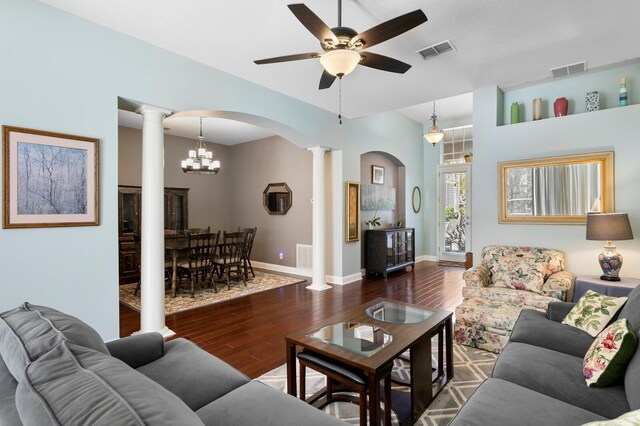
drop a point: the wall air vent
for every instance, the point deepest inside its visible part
(436, 49)
(569, 69)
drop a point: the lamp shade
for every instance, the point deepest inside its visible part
(434, 137)
(608, 227)
(340, 62)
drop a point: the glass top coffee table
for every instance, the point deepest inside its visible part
(370, 336)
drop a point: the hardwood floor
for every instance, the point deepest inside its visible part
(248, 332)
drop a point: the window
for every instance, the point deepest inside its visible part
(457, 142)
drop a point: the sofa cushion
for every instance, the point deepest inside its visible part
(200, 378)
(593, 312)
(498, 402)
(559, 376)
(258, 404)
(521, 273)
(536, 329)
(509, 295)
(8, 412)
(628, 419)
(608, 356)
(29, 331)
(631, 309)
(75, 385)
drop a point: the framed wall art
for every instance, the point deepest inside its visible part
(352, 223)
(49, 179)
(377, 175)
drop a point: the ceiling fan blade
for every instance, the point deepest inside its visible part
(314, 24)
(288, 58)
(384, 63)
(326, 80)
(390, 29)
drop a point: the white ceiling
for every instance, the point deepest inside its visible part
(498, 42)
(453, 110)
(216, 130)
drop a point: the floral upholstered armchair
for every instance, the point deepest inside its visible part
(508, 280)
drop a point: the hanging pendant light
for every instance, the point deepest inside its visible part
(200, 160)
(434, 135)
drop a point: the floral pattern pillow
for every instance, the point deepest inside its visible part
(519, 273)
(593, 312)
(609, 354)
(632, 418)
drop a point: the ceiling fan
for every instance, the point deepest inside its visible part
(344, 47)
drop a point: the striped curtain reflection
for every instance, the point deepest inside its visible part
(566, 190)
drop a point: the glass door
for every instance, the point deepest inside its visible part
(454, 212)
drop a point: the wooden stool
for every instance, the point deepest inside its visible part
(350, 377)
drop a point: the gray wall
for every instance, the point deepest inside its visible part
(233, 197)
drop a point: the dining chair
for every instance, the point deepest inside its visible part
(230, 257)
(206, 230)
(246, 253)
(199, 261)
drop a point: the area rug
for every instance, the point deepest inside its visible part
(471, 368)
(263, 281)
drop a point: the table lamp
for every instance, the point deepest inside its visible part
(608, 227)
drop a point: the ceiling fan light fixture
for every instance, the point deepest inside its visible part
(340, 62)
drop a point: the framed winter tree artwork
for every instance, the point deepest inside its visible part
(49, 179)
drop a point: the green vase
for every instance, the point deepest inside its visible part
(515, 113)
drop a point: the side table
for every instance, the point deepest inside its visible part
(610, 288)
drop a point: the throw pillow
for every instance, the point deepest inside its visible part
(632, 418)
(593, 312)
(609, 354)
(520, 273)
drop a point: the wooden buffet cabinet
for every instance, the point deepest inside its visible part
(389, 250)
(176, 216)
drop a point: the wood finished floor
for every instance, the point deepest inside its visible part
(248, 332)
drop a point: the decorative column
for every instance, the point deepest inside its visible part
(319, 244)
(152, 226)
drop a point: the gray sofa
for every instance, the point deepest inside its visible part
(538, 377)
(55, 369)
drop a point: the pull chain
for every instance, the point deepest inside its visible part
(340, 100)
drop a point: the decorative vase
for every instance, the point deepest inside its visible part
(592, 101)
(560, 107)
(611, 263)
(515, 113)
(623, 92)
(537, 109)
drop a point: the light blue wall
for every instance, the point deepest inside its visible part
(399, 136)
(614, 129)
(64, 74)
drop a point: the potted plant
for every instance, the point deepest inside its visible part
(375, 221)
(468, 157)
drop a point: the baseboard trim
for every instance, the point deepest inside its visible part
(344, 280)
(426, 258)
(281, 268)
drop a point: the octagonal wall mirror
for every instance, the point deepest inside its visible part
(555, 190)
(277, 198)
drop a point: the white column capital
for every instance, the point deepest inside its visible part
(319, 148)
(150, 111)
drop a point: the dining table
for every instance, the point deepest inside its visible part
(174, 247)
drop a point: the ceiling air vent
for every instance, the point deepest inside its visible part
(436, 49)
(569, 69)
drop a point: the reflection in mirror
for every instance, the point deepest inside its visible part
(556, 189)
(277, 198)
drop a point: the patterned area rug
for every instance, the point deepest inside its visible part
(263, 281)
(471, 367)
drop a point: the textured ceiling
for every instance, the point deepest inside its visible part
(498, 42)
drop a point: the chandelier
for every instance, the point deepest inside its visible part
(434, 135)
(200, 160)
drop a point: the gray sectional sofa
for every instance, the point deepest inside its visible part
(538, 377)
(55, 369)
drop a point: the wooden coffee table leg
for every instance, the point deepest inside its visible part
(421, 377)
(374, 400)
(291, 369)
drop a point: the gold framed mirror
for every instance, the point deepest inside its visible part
(555, 190)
